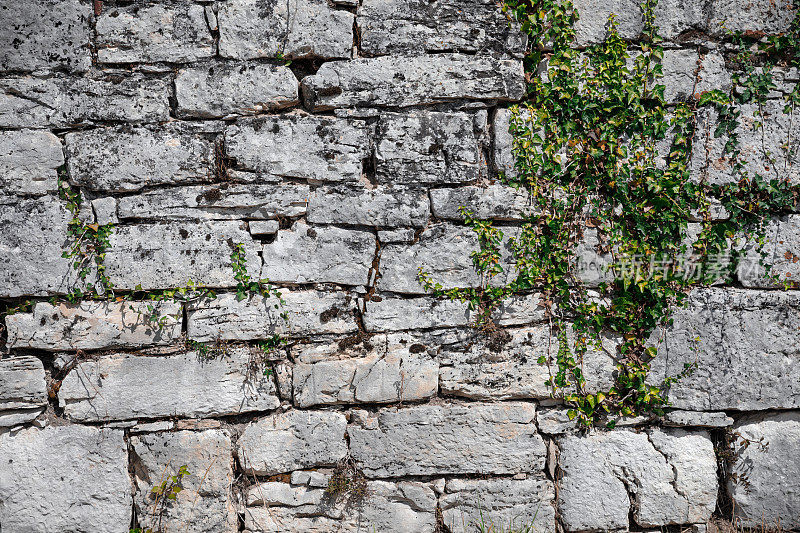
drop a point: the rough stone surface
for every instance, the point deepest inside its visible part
(45, 34)
(697, 419)
(173, 32)
(496, 202)
(300, 147)
(124, 386)
(309, 312)
(452, 439)
(306, 254)
(592, 27)
(28, 162)
(68, 478)
(393, 314)
(142, 158)
(207, 502)
(221, 89)
(292, 441)
(23, 390)
(378, 207)
(502, 505)
(93, 325)
(745, 345)
(275, 29)
(389, 368)
(662, 477)
(780, 256)
(770, 495)
(406, 81)
(758, 16)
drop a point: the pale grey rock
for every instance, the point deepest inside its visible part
(300, 147)
(392, 368)
(92, 325)
(207, 503)
(23, 390)
(405, 81)
(592, 26)
(780, 256)
(28, 162)
(105, 210)
(495, 367)
(396, 314)
(680, 75)
(221, 89)
(676, 17)
(69, 101)
(256, 317)
(770, 495)
(663, 478)
(278, 493)
(312, 478)
(167, 156)
(65, 478)
(745, 344)
(45, 34)
(293, 440)
(499, 504)
(264, 227)
(428, 147)
(217, 202)
(126, 386)
(555, 421)
(158, 256)
(504, 158)
(520, 310)
(306, 254)
(496, 202)
(697, 419)
(383, 207)
(174, 32)
(405, 235)
(448, 439)
(758, 16)
(415, 27)
(277, 29)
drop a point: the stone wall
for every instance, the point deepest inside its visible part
(335, 141)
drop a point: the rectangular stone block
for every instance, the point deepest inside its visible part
(125, 160)
(406, 81)
(45, 35)
(396, 314)
(382, 207)
(416, 27)
(495, 202)
(276, 29)
(429, 148)
(176, 32)
(780, 256)
(300, 147)
(94, 325)
(325, 254)
(28, 162)
(62, 101)
(447, 439)
(23, 390)
(126, 386)
(759, 16)
(309, 312)
(216, 202)
(221, 89)
(167, 255)
(592, 25)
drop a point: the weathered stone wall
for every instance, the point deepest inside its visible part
(340, 175)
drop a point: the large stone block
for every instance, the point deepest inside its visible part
(160, 256)
(94, 325)
(415, 27)
(676, 17)
(659, 478)
(447, 439)
(45, 34)
(309, 313)
(759, 16)
(65, 478)
(125, 386)
(220, 89)
(207, 503)
(23, 390)
(386, 368)
(305, 254)
(745, 344)
(300, 147)
(383, 207)
(406, 81)
(122, 160)
(276, 29)
(175, 32)
(429, 147)
(217, 202)
(397, 314)
(592, 26)
(61, 102)
(499, 505)
(767, 487)
(495, 202)
(28, 162)
(291, 441)
(775, 263)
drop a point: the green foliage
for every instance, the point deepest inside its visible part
(244, 285)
